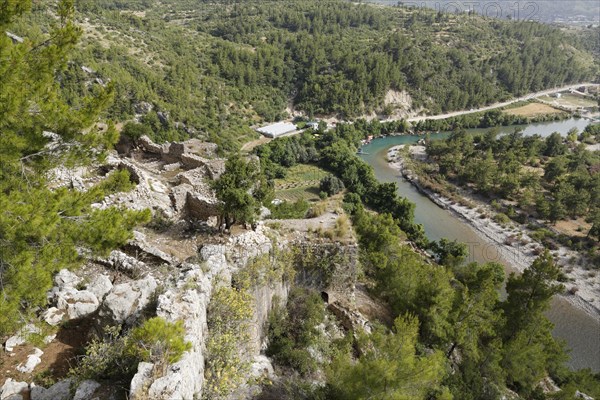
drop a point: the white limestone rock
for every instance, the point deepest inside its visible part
(122, 262)
(100, 286)
(20, 338)
(66, 279)
(77, 303)
(138, 388)
(127, 300)
(32, 361)
(53, 316)
(13, 390)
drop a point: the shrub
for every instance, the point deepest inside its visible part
(317, 210)
(135, 130)
(342, 227)
(158, 341)
(331, 185)
(106, 358)
(293, 330)
(501, 218)
(287, 210)
(116, 356)
(229, 317)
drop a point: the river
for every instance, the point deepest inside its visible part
(580, 330)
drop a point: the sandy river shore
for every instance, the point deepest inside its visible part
(520, 253)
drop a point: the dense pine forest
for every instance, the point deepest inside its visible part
(213, 69)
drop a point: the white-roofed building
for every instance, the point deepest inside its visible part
(278, 129)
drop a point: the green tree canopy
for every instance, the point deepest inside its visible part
(41, 230)
(241, 190)
(389, 368)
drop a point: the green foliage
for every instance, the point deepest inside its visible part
(508, 167)
(135, 131)
(115, 182)
(530, 350)
(529, 293)
(41, 229)
(331, 185)
(116, 355)
(241, 190)
(583, 381)
(491, 343)
(288, 210)
(336, 152)
(316, 266)
(403, 278)
(449, 253)
(390, 367)
(268, 269)
(211, 69)
(229, 317)
(294, 334)
(158, 341)
(106, 358)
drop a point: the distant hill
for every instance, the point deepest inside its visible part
(212, 69)
(572, 12)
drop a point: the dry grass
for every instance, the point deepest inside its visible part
(576, 227)
(317, 210)
(533, 110)
(569, 100)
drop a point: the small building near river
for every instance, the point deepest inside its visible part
(278, 129)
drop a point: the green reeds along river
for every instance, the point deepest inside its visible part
(580, 330)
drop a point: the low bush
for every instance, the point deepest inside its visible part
(117, 355)
(317, 210)
(288, 210)
(293, 331)
(501, 218)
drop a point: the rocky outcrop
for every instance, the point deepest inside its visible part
(21, 337)
(172, 179)
(100, 286)
(150, 147)
(188, 301)
(13, 390)
(86, 390)
(58, 391)
(120, 261)
(71, 303)
(141, 243)
(76, 303)
(126, 301)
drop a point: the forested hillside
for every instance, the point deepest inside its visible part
(212, 69)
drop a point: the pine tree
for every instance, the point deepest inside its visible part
(40, 229)
(388, 367)
(529, 348)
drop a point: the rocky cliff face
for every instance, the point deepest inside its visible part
(171, 271)
(188, 301)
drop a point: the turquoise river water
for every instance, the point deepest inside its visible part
(580, 330)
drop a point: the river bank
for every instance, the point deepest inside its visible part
(511, 241)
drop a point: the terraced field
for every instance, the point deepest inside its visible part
(301, 182)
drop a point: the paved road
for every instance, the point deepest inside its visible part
(503, 104)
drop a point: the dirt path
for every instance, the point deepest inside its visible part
(502, 104)
(248, 147)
